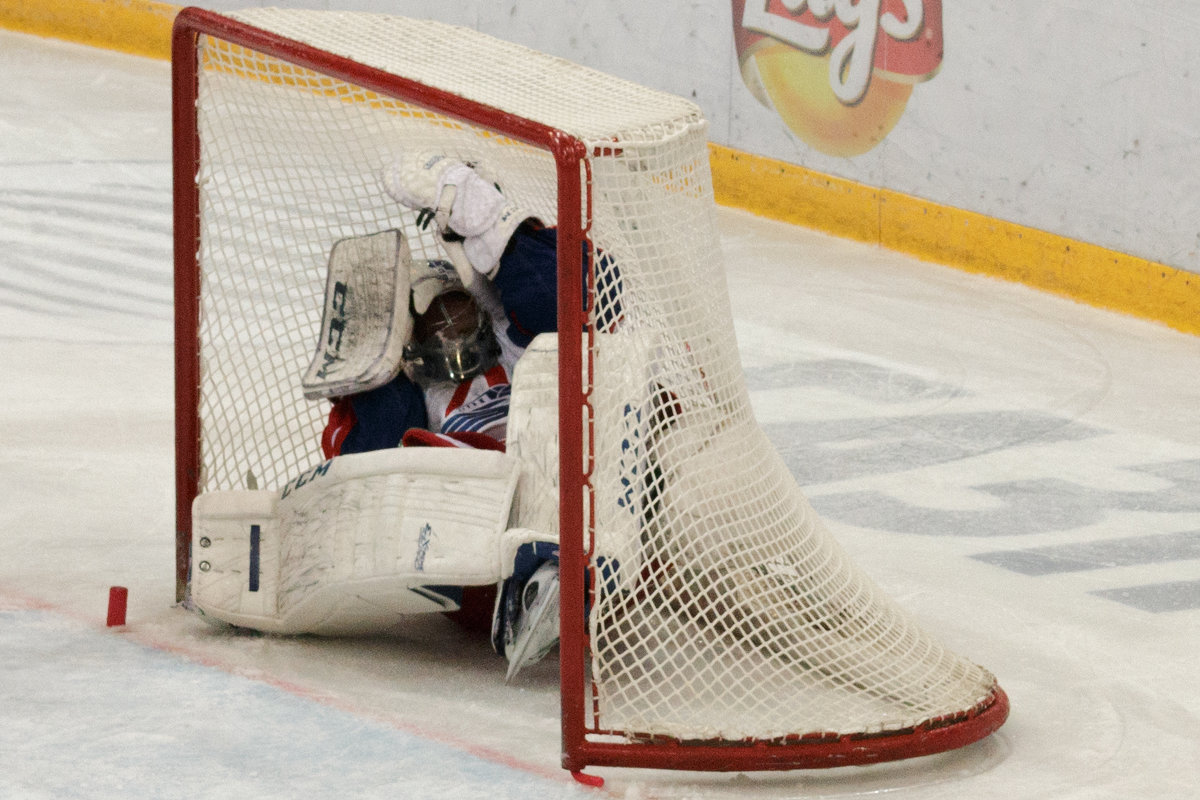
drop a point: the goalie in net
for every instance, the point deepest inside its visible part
(413, 354)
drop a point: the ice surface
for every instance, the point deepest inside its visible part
(1020, 471)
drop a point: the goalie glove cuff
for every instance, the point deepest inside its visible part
(485, 249)
(477, 204)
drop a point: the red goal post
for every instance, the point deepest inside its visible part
(709, 619)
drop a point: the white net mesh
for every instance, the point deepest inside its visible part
(721, 608)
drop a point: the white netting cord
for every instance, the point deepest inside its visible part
(723, 608)
(500, 74)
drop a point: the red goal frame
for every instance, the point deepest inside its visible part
(581, 745)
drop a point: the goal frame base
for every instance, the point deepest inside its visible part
(805, 753)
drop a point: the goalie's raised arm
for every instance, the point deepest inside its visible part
(488, 235)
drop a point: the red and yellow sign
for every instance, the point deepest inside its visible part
(838, 72)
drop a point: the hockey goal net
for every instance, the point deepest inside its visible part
(709, 620)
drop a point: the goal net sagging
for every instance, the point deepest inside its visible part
(710, 621)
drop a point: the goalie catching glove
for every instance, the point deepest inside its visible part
(473, 217)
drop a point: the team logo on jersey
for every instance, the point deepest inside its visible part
(486, 410)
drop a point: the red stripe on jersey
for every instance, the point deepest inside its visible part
(496, 375)
(341, 422)
(417, 437)
(460, 396)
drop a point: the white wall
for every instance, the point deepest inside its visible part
(1082, 119)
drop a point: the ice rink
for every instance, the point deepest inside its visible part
(1020, 471)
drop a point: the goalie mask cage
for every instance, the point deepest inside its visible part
(709, 620)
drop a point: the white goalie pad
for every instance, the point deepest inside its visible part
(622, 419)
(366, 322)
(356, 543)
(532, 436)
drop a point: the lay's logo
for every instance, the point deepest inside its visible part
(839, 73)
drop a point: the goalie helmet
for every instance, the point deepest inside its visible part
(452, 337)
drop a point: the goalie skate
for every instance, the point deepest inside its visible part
(527, 618)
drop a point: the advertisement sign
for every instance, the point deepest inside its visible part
(839, 73)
